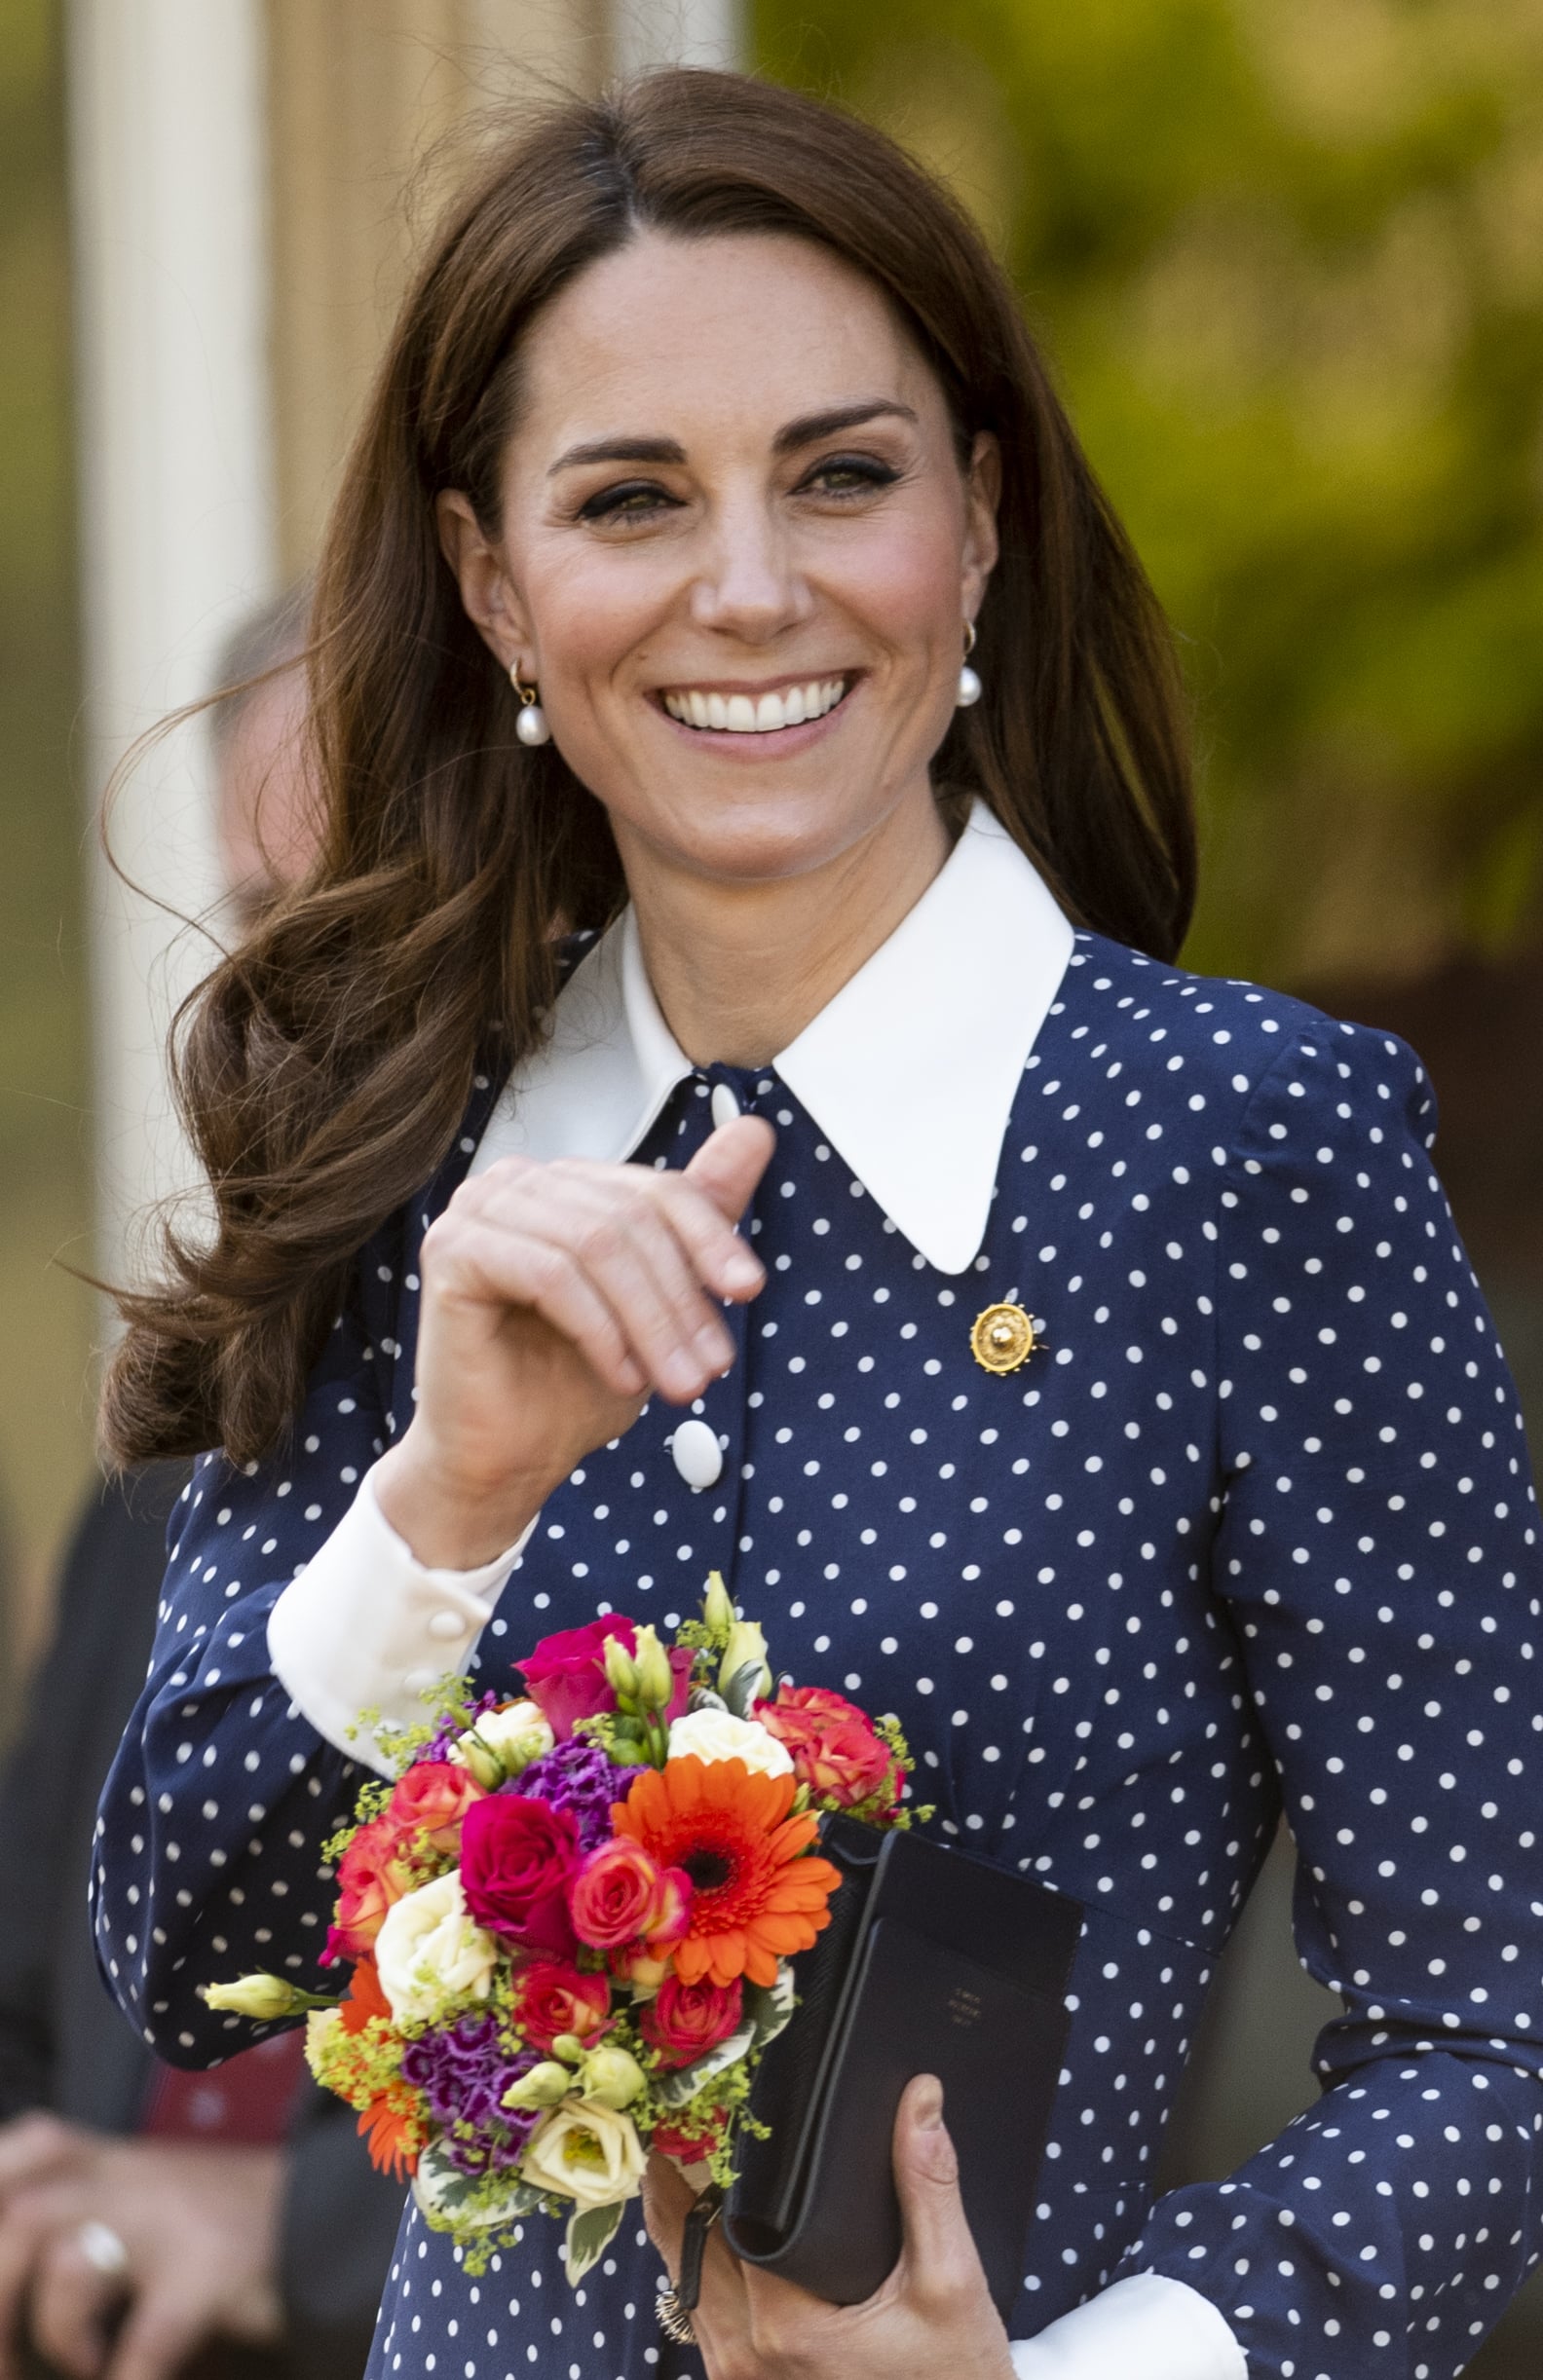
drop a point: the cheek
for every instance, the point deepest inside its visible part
(902, 583)
(591, 613)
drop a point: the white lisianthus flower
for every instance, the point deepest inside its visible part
(429, 1951)
(715, 1735)
(504, 1743)
(586, 2152)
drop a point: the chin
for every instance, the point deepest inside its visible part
(735, 836)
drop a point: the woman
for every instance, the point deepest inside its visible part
(708, 445)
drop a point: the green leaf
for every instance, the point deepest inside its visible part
(743, 1688)
(591, 2232)
(453, 2201)
(769, 2007)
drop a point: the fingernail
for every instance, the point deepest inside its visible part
(929, 2103)
(741, 1267)
(715, 1348)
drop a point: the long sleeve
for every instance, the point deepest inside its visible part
(208, 1838)
(1376, 1548)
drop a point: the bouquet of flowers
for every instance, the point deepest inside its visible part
(570, 1917)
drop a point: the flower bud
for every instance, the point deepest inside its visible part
(655, 1679)
(567, 2046)
(746, 1650)
(612, 2075)
(502, 1742)
(264, 1996)
(543, 2087)
(717, 1610)
(621, 1671)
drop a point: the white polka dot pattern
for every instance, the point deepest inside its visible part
(1254, 1521)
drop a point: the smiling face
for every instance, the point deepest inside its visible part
(736, 552)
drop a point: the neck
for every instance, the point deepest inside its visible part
(739, 969)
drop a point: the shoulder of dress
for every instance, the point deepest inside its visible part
(1124, 991)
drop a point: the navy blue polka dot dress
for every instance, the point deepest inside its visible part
(1252, 1526)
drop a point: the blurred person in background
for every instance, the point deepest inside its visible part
(151, 2222)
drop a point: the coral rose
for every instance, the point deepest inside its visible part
(373, 1874)
(551, 1998)
(431, 1798)
(688, 2020)
(518, 1859)
(621, 1895)
(835, 1750)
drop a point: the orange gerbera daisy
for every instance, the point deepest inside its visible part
(394, 2131)
(757, 1894)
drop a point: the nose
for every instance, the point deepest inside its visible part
(750, 585)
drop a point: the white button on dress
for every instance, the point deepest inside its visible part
(725, 1107)
(446, 1625)
(698, 1457)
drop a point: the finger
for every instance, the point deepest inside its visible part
(30, 2221)
(667, 2200)
(731, 1161)
(159, 2333)
(939, 2250)
(70, 2304)
(635, 1262)
(725, 1263)
(486, 1261)
(35, 2146)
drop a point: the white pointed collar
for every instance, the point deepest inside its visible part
(910, 1072)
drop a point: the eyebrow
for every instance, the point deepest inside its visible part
(807, 430)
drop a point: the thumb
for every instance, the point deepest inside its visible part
(940, 2248)
(731, 1161)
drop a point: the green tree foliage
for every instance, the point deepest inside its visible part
(1288, 258)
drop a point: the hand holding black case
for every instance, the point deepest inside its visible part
(933, 1963)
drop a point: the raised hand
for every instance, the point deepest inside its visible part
(556, 1299)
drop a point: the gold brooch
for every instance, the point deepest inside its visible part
(1003, 1338)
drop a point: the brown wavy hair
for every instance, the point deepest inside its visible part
(323, 1065)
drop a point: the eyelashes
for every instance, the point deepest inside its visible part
(841, 477)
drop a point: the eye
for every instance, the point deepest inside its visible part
(632, 499)
(850, 475)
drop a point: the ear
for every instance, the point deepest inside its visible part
(982, 498)
(481, 572)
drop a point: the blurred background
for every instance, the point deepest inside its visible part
(1287, 256)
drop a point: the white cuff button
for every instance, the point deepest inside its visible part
(419, 1681)
(448, 1624)
(725, 1106)
(698, 1457)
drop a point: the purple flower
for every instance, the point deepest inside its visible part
(462, 2072)
(454, 1728)
(579, 1779)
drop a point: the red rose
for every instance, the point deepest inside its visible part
(690, 2147)
(567, 1679)
(553, 1997)
(431, 1798)
(686, 2020)
(373, 1874)
(517, 1857)
(621, 1895)
(834, 1748)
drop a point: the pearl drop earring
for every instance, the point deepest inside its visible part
(969, 685)
(530, 726)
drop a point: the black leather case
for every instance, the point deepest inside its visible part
(933, 1963)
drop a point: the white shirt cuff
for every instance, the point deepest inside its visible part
(1149, 2325)
(366, 1627)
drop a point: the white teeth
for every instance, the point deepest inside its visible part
(742, 714)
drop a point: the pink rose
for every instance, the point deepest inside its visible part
(834, 1748)
(518, 1859)
(621, 1895)
(567, 1679)
(686, 2020)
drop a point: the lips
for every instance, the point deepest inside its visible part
(788, 706)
